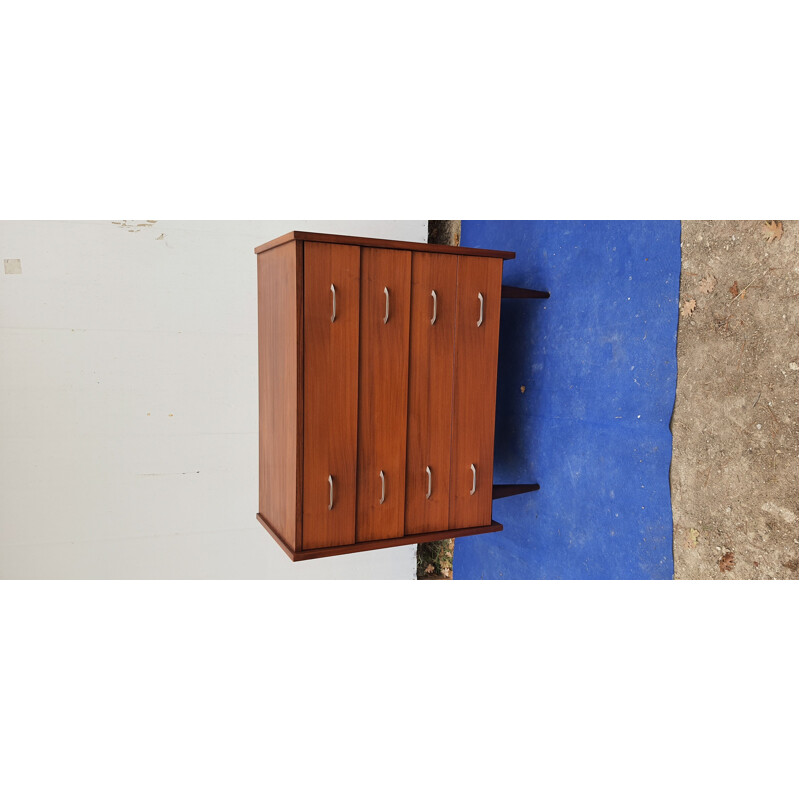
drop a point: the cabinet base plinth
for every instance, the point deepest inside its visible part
(378, 544)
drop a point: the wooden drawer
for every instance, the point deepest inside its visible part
(475, 380)
(376, 392)
(383, 389)
(430, 392)
(330, 378)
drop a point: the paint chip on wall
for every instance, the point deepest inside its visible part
(13, 266)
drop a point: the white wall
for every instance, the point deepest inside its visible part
(129, 403)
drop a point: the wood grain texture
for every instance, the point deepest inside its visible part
(430, 392)
(517, 293)
(278, 352)
(376, 544)
(330, 393)
(382, 392)
(474, 390)
(356, 396)
(390, 244)
(300, 305)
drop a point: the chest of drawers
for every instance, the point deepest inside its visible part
(377, 379)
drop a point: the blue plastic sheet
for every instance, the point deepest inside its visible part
(585, 392)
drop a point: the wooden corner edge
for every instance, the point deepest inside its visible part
(285, 547)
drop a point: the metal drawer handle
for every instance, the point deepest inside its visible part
(333, 292)
(330, 484)
(480, 318)
(433, 318)
(383, 488)
(386, 317)
(474, 478)
(428, 470)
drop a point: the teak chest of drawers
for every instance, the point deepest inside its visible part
(377, 378)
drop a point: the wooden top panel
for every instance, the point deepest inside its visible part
(332, 238)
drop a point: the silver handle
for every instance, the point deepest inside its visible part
(330, 484)
(433, 318)
(333, 292)
(383, 488)
(428, 470)
(386, 317)
(480, 318)
(474, 478)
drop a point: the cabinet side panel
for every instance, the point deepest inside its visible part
(278, 390)
(430, 392)
(330, 395)
(383, 392)
(475, 390)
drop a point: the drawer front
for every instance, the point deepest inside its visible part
(474, 390)
(330, 402)
(430, 392)
(383, 392)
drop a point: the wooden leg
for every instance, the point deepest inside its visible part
(514, 292)
(500, 490)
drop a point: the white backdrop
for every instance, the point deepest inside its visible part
(129, 402)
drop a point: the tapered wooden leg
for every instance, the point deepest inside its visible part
(514, 292)
(500, 490)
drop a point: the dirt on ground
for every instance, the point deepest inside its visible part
(734, 473)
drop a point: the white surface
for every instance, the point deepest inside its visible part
(129, 403)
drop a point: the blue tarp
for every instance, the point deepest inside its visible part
(585, 392)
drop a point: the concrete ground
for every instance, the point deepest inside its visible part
(734, 472)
